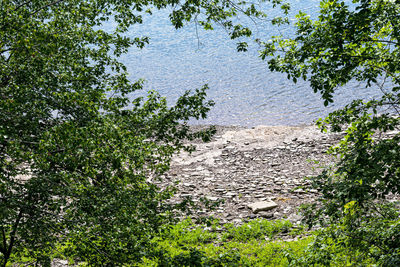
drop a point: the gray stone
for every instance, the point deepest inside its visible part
(220, 190)
(59, 263)
(263, 170)
(212, 198)
(299, 191)
(252, 216)
(294, 217)
(262, 206)
(266, 215)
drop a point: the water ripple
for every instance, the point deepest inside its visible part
(245, 91)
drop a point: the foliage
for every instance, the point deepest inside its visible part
(255, 229)
(356, 240)
(358, 41)
(77, 154)
(184, 244)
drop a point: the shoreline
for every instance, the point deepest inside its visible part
(241, 166)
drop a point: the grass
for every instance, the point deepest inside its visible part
(255, 243)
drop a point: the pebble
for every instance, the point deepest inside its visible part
(247, 172)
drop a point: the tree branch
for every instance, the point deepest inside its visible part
(46, 6)
(12, 238)
(21, 5)
(4, 239)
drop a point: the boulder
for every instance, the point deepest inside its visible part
(262, 206)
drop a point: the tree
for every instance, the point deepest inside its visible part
(360, 41)
(76, 153)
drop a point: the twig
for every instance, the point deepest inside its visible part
(48, 5)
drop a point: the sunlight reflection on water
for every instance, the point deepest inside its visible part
(245, 92)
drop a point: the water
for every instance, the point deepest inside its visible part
(245, 92)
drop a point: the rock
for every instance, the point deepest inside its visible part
(59, 263)
(212, 198)
(231, 194)
(252, 216)
(266, 215)
(299, 191)
(262, 206)
(294, 217)
(237, 221)
(287, 209)
(270, 167)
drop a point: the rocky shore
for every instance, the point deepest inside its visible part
(255, 173)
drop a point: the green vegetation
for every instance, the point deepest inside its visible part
(77, 155)
(360, 42)
(75, 152)
(189, 244)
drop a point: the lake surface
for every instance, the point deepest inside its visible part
(245, 92)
